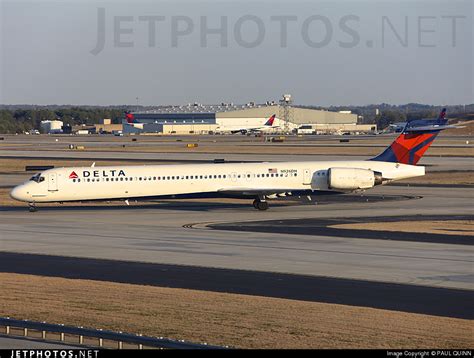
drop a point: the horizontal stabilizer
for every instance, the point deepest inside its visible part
(414, 141)
(429, 128)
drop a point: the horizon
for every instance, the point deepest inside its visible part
(240, 104)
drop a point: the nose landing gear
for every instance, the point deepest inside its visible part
(32, 207)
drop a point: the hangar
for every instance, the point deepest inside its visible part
(200, 119)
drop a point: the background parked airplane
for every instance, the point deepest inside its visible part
(132, 121)
(269, 125)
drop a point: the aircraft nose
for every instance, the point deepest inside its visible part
(19, 193)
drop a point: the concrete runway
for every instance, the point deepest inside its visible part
(162, 233)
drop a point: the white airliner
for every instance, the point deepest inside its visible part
(259, 181)
(269, 125)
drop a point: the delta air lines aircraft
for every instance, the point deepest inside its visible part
(269, 125)
(257, 181)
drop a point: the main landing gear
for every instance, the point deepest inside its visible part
(32, 207)
(260, 204)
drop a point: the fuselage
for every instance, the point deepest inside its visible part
(234, 130)
(122, 182)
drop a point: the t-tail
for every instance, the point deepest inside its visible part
(130, 118)
(414, 141)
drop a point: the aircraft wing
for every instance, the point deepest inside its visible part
(254, 191)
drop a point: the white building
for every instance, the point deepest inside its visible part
(51, 127)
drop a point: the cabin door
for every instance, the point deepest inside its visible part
(306, 176)
(52, 182)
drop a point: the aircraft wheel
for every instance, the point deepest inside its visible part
(32, 208)
(255, 203)
(262, 205)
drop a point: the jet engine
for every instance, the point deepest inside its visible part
(353, 178)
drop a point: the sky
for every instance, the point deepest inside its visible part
(177, 52)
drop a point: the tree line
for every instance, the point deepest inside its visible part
(21, 120)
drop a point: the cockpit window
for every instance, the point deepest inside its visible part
(37, 178)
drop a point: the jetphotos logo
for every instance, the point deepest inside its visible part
(98, 173)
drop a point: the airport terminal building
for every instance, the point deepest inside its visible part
(203, 119)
